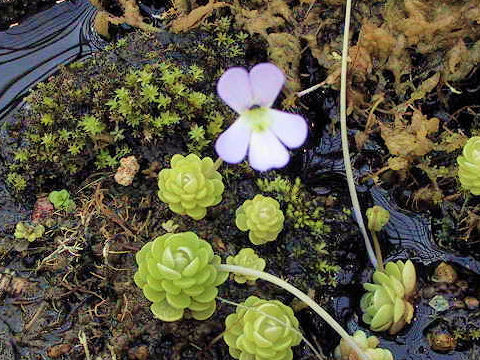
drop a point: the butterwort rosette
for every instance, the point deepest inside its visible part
(176, 273)
(190, 185)
(469, 165)
(369, 345)
(387, 304)
(262, 330)
(262, 217)
(247, 258)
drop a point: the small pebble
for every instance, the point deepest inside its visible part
(471, 302)
(445, 273)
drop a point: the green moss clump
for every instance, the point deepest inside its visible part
(96, 112)
(262, 217)
(177, 272)
(190, 185)
(303, 212)
(262, 330)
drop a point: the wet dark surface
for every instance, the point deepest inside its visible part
(32, 51)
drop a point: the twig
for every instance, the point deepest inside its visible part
(83, 341)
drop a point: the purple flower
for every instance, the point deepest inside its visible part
(264, 132)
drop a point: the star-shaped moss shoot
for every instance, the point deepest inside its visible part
(469, 165)
(369, 344)
(386, 306)
(262, 330)
(176, 273)
(262, 217)
(190, 185)
(248, 259)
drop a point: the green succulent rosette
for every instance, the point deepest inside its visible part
(377, 218)
(368, 344)
(249, 259)
(177, 272)
(262, 217)
(469, 165)
(190, 185)
(386, 306)
(262, 330)
(61, 200)
(29, 232)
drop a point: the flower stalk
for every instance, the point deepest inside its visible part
(343, 131)
(300, 295)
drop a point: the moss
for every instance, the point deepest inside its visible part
(302, 212)
(134, 95)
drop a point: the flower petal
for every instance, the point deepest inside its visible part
(291, 129)
(232, 144)
(266, 151)
(234, 88)
(266, 81)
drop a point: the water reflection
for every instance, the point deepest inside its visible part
(32, 51)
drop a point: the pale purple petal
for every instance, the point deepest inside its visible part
(267, 81)
(234, 88)
(266, 151)
(290, 128)
(232, 144)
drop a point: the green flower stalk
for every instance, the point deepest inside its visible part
(178, 272)
(61, 200)
(29, 232)
(386, 306)
(377, 218)
(262, 330)
(262, 216)
(345, 352)
(469, 165)
(190, 185)
(249, 259)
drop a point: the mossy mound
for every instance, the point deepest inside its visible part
(140, 93)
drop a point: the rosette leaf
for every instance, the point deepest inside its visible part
(190, 185)
(386, 306)
(469, 165)
(177, 272)
(369, 344)
(262, 217)
(248, 259)
(30, 232)
(262, 330)
(61, 200)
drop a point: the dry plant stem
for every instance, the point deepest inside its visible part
(378, 251)
(343, 130)
(300, 295)
(310, 89)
